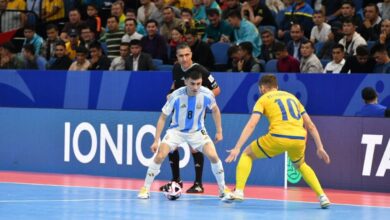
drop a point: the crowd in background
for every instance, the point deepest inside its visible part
(312, 36)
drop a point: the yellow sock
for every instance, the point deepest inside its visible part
(311, 179)
(243, 170)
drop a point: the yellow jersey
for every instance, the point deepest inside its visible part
(284, 112)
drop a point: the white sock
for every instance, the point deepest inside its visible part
(153, 171)
(219, 174)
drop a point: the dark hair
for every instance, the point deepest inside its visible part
(93, 6)
(348, 2)
(29, 27)
(235, 14)
(338, 46)
(191, 31)
(51, 26)
(131, 10)
(298, 25)
(29, 48)
(380, 48)
(212, 12)
(81, 49)
(135, 42)
(279, 47)
(232, 50)
(349, 20)
(96, 45)
(193, 73)
(246, 46)
(9, 46)
(318, 12)
(308, 42)
(268, 80)
(132, 19)
(151, 21)
(182, 46)
(170, 8)
(186, 10)
(113, 16)
(369, 94)
(60, 43)
(75, 9)
(362, 50)
(373, 5)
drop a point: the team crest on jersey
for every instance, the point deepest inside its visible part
(199, 106)
(183, 106)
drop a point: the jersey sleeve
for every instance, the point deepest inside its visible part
(259, 106)
(169, 105)
(211, 101)
(301, 108)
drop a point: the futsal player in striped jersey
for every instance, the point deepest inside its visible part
(189, 104)
(287, 133)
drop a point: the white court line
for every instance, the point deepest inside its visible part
(89, 200)
(195, 195)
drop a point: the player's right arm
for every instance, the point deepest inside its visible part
(245, 134)
(310, 126)
(160, 126)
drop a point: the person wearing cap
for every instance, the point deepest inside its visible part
(73, 43)
(371, 107)
(8, 58)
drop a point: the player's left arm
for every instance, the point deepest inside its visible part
(310, 126)
(218, 123)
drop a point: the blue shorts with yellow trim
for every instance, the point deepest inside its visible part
(271, 145)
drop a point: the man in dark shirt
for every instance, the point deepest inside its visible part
(201, 51)
(98, 60)
(371, 107)
(359, 63)
(184, 65)
(154, 44)
(62, 61)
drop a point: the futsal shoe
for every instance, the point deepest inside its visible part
(143, 193)
(196, 188)
(324, 201)
(166, 187)
(224, 191)
(236, 196)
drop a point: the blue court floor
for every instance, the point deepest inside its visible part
(28, 201)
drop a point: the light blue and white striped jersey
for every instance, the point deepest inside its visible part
(188, 115)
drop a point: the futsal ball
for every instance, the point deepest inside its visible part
(174, 191)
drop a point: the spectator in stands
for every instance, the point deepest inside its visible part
(231, 5)
(8, 57)
(201, 51)
(333, 38)
(147, 11)
(87, 36)
(19, 5)
(188, 22)
(32, 61)
(384, 37)
(320, 32)
(117, 10)
(93, 19)
(75, 22)
(235, 56)
(348, 11)
(198, 13)
(138, 60)
(268, 47)
(51, 42)
(154, 44)
(245, 31)
(309, 61)
(257, 13)
(131, 31)
(359, 63)
(218, 29)
(246, 62)
(384, 9)
(177, 38)
(351, 39)
(52, 10)
(169, 22)
(33, 38)
(370, 29)
(81, 63)
(98, 60)
(371, 107)
(9, 20)
(61, 60)
(113, 37)
(179, 3)
(131, 13)
(382, 59)
(338, 60)
(286, 63)
(119, 62)
(299, 12)
(275, 5)
(207, 5)
(72, 44)
(297, 37)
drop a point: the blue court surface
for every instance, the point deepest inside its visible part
(33, 201)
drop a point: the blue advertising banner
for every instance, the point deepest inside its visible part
(360, 153)
(111, 143)
(322, 94)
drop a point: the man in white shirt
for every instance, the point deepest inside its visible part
(320, 32)
(131, 31)
(118, 63)
(338, 61)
